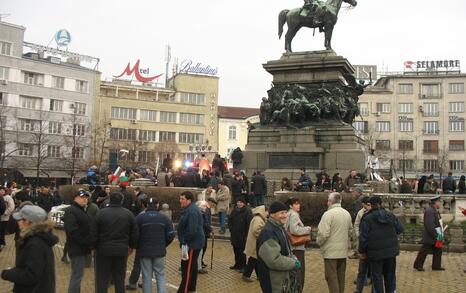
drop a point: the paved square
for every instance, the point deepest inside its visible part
(222, 279)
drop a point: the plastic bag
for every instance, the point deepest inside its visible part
(184, 252)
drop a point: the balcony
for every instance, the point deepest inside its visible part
(431, 132)
(427, 97)
(431, 114)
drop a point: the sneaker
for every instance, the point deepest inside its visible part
(247, 279)
(131, 287)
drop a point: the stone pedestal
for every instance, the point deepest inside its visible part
(324, 144)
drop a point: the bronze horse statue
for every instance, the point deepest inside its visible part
(321, 15)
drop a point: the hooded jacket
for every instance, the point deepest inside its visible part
(255, 228)
(34, 271)
(378, 236)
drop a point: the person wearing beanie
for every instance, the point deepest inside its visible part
(275, 261)
(238, 224)
(379, 245)
(35, 263)
(334, 233)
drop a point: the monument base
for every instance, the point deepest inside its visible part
(281, 152)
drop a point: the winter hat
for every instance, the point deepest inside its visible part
(30, 213)
(240, 198)
(277, 206)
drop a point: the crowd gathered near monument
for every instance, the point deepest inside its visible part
(266, 237)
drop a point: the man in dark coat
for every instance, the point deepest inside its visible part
(449, 184)
(35, 263)
(128, 201)
(304, 182)
(191, 234)
(78, 242)
(140, 198)
(237, 157)
(259, 188)
(378, 242)
(238, 187)
(114, 234)
(238, 224)
(432, 221)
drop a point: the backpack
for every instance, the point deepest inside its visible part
(2, 205)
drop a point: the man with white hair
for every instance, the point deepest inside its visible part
(333, 237)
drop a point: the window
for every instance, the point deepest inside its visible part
(431, 146)
(405, 88)
(192, 98)
(383, 108)
(168, 117)
(122, 134)
(146, 156)
(58, 82)
(382, 145)
(77, 153)
(4, 73)
(196, 138)
(456, 145)
(54, 127)
(457, 165)
(33, 78)
(431, 127)
(406, 108)
(232, 132)
(5, 48)
(167, 136)
(146, 115)
(124, 113)
(456, 107)
(188, 118)
(30, 102)
(430, 91)
(3, 99)
(28, 125)
(189, 157)
(406, 164)
(56, 105)
(430, 110)
(78, 130)
(79, 108)
(363, 109)
(456, 125)
(382, 126)
(361, 126)
(406, 126)
(147, 135)
(81, 86)
(25, 149)
(430, 165)
(405, 145)
(53, 151)
(456, 88)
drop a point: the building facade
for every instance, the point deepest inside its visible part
(233, 128)
(138, 125)
(46, 108)
(415, 122)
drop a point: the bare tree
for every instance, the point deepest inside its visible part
(442, 163)
(8, 136)
(101, 134)
(75, 142)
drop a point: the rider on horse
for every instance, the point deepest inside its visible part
(314, 9)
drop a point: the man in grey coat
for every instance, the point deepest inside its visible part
(432, 220)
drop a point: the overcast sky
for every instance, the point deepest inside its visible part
(238, 36)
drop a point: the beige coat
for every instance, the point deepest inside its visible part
(223, 199)
(335, 231)
(255, 228)
(10, 207)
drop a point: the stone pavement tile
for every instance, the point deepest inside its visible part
(222, 279)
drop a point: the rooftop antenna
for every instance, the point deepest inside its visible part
(168, 57)
(4, 15)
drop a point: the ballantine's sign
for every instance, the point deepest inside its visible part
(432, 65)
(188, 67)
(137, 73)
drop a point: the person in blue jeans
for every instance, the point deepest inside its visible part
(223, 203)
(156, 233)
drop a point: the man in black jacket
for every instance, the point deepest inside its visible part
(128, 202)
(432, 220)
(238, 224)
(78, 242)
(114, 234)
(259, 188)
(378, 242)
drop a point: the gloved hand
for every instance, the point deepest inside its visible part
(297, 265)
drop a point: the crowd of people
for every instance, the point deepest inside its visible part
(107, 227)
